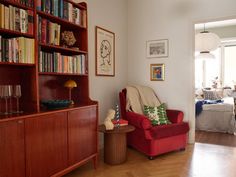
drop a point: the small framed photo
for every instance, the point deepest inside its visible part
(105, 52)
(157, 48)
(157, 72)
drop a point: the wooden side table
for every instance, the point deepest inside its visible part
(115, 145)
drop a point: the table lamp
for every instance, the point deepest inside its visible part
(70, 84)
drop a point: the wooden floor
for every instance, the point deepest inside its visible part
(208, 157)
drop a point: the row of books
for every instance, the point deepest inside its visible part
(63, 9)
(55, 62)
(17, 19)
(28, 3)
(48, 32)
(17, 50)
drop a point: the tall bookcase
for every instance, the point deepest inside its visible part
(34, 56)
(37, 84)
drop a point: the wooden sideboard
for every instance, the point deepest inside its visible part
(49, 143)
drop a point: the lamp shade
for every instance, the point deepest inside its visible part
(205, 55)
(206, 41)
(70, 84)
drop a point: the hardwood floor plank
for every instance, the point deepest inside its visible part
(210, 158)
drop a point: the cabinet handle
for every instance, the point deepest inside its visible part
(20, 121)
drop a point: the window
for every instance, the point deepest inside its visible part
(223, 67)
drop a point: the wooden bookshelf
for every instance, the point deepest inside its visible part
(11, 33)
(60, 21)
(74, 142)
(16, 4)
(61, 49)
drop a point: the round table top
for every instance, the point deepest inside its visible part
(121, 129)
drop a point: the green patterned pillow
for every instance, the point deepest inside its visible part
(157, 115)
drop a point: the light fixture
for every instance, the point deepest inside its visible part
(205, 42)
(70, 84)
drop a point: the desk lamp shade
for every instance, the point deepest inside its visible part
(70, 84)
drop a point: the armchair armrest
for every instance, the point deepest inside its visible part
(138, 120)
(175, 116)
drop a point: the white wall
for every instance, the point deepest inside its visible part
(173, 20)
(111, 15)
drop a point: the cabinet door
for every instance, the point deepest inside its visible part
(82, 134)
(12, 151)
(46, 144)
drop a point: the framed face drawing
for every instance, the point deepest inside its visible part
(105, 52)
(157, 48)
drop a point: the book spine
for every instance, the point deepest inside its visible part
(38, 5)
(65, 10)
(48, 6)
(43, 27)
(30, 22)
(6, 18)
(17, 19)
(2, 16)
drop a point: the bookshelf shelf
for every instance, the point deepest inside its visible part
(61, 49)
(7, 2)
(59, 20)
(7, 32)
(16, 64)
(61, 74)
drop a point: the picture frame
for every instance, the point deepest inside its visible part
(157, 48)
(157, 72)
(105, 52)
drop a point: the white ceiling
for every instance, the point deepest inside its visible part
(216, 24)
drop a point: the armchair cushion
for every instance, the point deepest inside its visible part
(157, 114)
(138, 120)
(162, 131)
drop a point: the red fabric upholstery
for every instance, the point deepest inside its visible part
(173, 129)
(155, 140)
(138, 120)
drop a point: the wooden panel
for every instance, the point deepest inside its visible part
(82, 134)
(12, 159)
(46, 144)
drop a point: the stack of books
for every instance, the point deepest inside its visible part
(55, 62)
(17, 50)
(63, 9)
(122, 122)
(13, 18)
(48, 32)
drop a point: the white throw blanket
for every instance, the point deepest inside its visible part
(138, 96)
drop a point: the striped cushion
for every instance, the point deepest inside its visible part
(157, 115)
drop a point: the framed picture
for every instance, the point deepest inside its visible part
(157, 48)
(157, 72)
(105, 52)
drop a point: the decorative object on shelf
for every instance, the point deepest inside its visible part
(6, 94)
(105, 52)
(157, 72)
(70, 84)
(205, 42)
(108, 120)
(157, 48)
(55, 104)
(17, 95)
(68, 38)
(117, 116)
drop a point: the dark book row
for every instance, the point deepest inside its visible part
(63, 9)
(16, 19)
(17, 50)
(27, 3)
(55, 62)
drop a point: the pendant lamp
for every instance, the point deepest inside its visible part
(205, 42)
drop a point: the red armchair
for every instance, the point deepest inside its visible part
(155, 140)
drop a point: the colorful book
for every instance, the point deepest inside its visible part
(122, 122)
